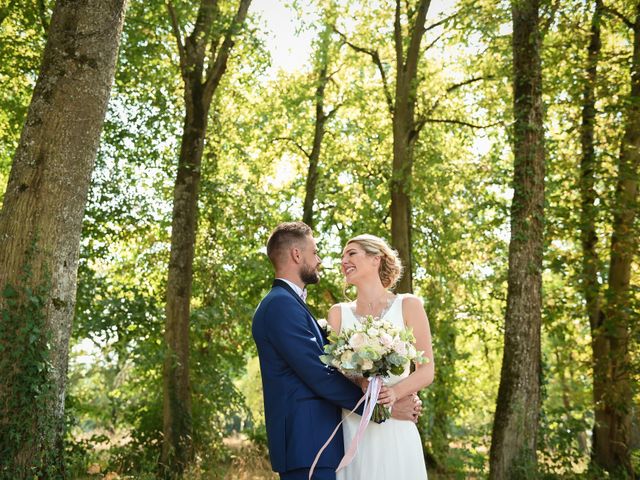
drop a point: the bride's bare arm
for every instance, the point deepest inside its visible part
(334, 318)
(416, 319)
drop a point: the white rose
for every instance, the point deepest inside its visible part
(386, 340)
(367, 365)
(357, 340)
(372, 332)
(400, 347)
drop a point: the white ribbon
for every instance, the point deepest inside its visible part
(370, 399)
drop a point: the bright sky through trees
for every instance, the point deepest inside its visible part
(289, 41)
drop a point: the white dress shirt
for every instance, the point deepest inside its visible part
(302, 293)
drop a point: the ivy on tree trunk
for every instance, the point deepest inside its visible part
(514, 437)
(40, 228)
(613, 395)
(201, 72)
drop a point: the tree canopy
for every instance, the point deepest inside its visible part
(256, 153)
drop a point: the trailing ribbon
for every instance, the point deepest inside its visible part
(370, 398)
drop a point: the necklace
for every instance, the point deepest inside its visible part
(385, 303)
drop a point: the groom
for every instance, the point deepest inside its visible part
(303, 397)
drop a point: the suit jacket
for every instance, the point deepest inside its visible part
(303, 397)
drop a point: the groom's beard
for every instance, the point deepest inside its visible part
(309, 274)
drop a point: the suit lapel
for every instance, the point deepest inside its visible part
(287, 287)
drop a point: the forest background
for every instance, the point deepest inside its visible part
(311, 132)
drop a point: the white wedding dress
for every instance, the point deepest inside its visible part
(391, 450)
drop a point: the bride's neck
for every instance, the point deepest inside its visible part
(371, 292)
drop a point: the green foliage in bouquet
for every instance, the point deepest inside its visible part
(373, 347)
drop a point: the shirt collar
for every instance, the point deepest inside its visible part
(302, 293)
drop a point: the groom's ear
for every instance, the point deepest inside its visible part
(296, 254)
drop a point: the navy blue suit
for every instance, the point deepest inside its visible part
(302, 396)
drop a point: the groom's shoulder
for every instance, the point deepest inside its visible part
(277, 297)
(276, 294)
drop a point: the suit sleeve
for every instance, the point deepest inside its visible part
(290, 335)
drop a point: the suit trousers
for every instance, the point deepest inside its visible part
(303, 474)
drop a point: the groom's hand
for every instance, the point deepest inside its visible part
(407, 408)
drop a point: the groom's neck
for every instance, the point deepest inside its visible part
(291, 276)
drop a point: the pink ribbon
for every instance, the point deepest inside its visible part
(370, 398)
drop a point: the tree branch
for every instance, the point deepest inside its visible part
(440, 22)
(42, 11)
(455, 86)
(200, 34)
(376, 60)
(214, 46)
(421, 123)
(300, 147)
(217, 68)
(434, 42)
(175, 25)
(5, 11)
(397, 39)
(417, 32)
(618, 14)
(333, 111)
(552, 14)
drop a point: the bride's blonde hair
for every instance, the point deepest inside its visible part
(390, 269)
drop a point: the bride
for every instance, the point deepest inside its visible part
(391, 450)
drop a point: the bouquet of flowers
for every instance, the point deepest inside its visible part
(372, 348)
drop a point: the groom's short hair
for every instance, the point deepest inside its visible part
(283, 236)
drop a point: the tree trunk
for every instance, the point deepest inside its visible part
(614, 403)
(40, 228)
(201, 82)
(588, 214)
(177, 450)
(513, 446)
(400, 191)
(319, 130)
(405, 135)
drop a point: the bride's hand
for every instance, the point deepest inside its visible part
(387, 396)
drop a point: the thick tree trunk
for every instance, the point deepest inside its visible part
(40, 228)
(588, 214)
(201, 81)
(405, 135)
(614, 403)
(177, 448)
(513, 446)
(400, 190)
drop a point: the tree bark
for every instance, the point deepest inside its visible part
(402, 106)
(201, 81)
(40, 229)
(588, 214)
(513, 446)
(405, 135)
(319, 130)
(612, 380)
